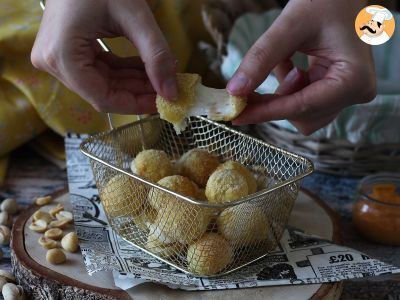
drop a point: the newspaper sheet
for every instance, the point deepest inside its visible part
(300, 258)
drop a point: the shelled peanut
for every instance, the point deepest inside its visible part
(9, 290)
(51, 224)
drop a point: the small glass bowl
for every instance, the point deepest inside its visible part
(376, 212)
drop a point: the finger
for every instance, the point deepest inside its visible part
(318, 68)
(264, 55)
(294, 81)
(135, 85)
(128, 73)
(123, 102)
(309, 126)
(320, 98)
(91, 79)
(152, 46)
(116, 62)
(282, 69)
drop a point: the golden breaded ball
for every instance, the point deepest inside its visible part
(157, 247)
(122, 195)
(250, 179)
(152, 165)
(209, 255)
(226, 186)
(176, 111)
(243, 225)
(182, 222)
(146, 218)
(198, 165)
(176, 183)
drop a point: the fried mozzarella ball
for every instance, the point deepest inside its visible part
(225, 186)
(250, 179)
(146, 218)
(162, 249)
(152, 164)
(243, 225)
(182, 222)
(177, 183)
(198, 165)
(122, 195)
(195, 99)
(209, 255)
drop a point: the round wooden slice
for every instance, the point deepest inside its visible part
(42, 280)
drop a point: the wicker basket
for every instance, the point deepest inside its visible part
(329, 155)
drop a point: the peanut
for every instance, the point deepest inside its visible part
(38, 226)
(5, 218)
(2, 282)
(55, 256)
(54, 233)
(5, 235)
(7, 276)
(59, 224)
(43, 200)
(12, 292)
(9, 205)
(70, 242)
(56, 210)
(65, 215)
(47, 243)
(42, 215)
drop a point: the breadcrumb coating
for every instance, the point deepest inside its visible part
(120, 196)
(196, 99)
(146, 218)
(209, 255)
(250, 179)
(152, 165)
(160, 248)
(243, 225)
(176, 111)
(198, 165)
(226, 186)
(183, 222)
(177, 183)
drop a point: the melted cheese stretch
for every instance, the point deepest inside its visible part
(194, 99)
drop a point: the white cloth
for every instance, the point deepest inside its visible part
(375, 40)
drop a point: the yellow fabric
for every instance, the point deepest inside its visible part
(50, 143)
(31, 101)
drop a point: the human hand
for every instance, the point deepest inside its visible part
(341, 69)
(66, 47)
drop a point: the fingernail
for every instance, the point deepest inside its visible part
(170, 89)
(237, 84)
(291, 76)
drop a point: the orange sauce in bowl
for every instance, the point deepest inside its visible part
(378, 217)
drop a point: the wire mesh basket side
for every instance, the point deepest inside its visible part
(191, 236)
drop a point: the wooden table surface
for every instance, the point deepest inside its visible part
(30, 175)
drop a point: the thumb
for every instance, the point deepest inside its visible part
(277, 44)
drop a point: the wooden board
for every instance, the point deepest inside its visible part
(71, 281)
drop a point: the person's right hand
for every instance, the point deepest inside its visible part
(66, 47)
(341, 67)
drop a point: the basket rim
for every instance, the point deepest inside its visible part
(248, 198)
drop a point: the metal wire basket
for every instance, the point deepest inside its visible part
(189, 233)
